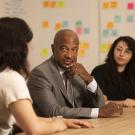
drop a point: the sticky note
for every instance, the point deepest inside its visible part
(113, 4)
(79, 30)
(110, 25)
(85, 45)
(65, 23)
(114, 32)
(130, 18)
(105, 5)
(44, 52)
(46, 4)
(130, 6)
(104, 47)
(45, 24)
(60, 4)
(86, 30)
(81, 53)
(52, 4)
(58, 26)
(78, 23)
(105, 33)
(117, 18)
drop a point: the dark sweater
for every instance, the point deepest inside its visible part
(119, 91)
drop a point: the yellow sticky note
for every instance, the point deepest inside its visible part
(58, 26)
(45, 24)
(110, 25)
(81, 53)
(104, 47)
(44, 52)
(105, 5)
(60, 4)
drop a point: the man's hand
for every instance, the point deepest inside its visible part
(79, 69)
(110, 110)
(129, 102)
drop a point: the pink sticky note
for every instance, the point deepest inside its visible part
(130, 6)
(79, 30)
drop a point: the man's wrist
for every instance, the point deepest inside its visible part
(89, 79)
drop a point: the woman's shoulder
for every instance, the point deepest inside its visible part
(99, 68)
(99, 73)
(11, 76)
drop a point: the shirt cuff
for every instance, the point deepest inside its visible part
(94, 112)
(92, 86)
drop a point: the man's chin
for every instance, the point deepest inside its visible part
(65, 67)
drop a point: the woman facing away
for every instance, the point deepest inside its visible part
(117, 76)
(15, 100)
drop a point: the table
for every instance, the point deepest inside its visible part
(123, 125)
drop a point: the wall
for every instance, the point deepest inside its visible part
(97, 22)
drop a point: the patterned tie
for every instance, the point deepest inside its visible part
(68, 86)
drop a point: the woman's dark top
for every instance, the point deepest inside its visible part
(119, 91)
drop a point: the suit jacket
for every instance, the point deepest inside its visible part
(49, 94)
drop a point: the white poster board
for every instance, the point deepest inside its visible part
(117, 18)
(97, 22)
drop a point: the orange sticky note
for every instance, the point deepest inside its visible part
(85, 45)
(46, 4)
(113, 4)
(52, 4)
(105, 5)
(58, 26)
(45, 24)
(110, 25)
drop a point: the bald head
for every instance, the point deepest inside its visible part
(64, 35)
(65, 47)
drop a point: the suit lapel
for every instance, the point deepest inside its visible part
(57, 79)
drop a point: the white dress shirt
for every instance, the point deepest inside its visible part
(92, 86)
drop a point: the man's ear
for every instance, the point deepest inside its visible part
(52, 46)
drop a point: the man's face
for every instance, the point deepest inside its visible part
(65, 51)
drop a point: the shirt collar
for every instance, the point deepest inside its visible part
(61, 70)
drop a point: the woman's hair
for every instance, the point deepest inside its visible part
(14, 37)
(130, 68)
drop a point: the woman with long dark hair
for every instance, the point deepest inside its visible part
(117, 76)
(15, 100)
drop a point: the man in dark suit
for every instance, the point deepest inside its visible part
(82, 98)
